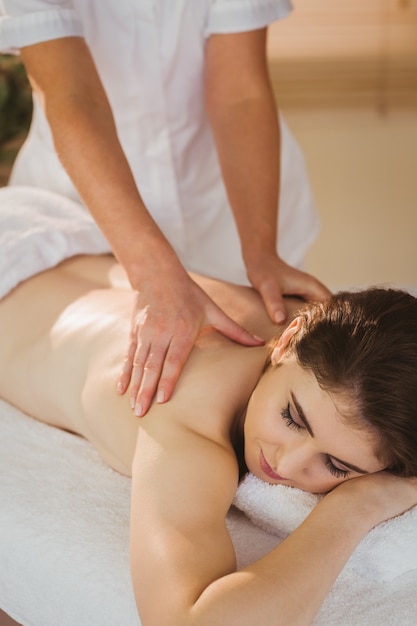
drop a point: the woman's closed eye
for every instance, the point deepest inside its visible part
(287, 417)
(335, 471)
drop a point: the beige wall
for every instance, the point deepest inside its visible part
(345, 76)
(363, 168)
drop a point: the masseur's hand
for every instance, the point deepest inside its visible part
(273, 279)
(169, 314)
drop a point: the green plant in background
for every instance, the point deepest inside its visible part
(15, 111)
(15, 99)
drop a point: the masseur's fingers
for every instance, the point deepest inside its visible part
(274, 279)
(162, 348)
(159, 374)
(163, 333)
(164, 365)
(127, 368)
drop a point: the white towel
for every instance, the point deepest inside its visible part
(388, 551)
(38, 230)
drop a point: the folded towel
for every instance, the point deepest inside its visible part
(38, 230)
(388, 551)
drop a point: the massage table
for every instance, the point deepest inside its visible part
(64, 535)
(64, 514)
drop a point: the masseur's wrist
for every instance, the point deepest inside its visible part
(259, 253)
(150, 260)
(258, 245)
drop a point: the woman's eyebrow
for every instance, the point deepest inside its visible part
(306, 423)
(301, 414)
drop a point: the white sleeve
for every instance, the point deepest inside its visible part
(233, 16)
(25, 22)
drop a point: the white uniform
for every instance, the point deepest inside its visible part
(150, 57)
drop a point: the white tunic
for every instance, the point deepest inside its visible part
(150, 57)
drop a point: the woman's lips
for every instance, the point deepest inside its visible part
(267, 469)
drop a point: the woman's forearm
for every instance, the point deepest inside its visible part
(288, 585)
(285, 587)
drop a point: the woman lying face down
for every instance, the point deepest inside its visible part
(335, 401)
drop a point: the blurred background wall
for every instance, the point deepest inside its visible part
(345, 76)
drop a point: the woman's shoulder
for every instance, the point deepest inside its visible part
(245, 306)
(215, 385)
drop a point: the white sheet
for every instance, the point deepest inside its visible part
(64, 518)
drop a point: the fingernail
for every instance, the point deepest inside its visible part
(259, 339)
(138, 409)
(279, 317)
(119, 388)
(160, 398)
(132, 403)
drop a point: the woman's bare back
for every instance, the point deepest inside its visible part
(65, 332)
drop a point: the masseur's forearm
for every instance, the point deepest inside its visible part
(247, 136)
(88, 147)
(86, 141)
(243, 115)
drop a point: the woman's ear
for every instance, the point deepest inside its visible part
(283, 341)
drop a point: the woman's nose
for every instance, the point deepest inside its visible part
(293, 458)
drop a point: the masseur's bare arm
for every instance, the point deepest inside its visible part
(170, 308)
(182, 557)
(243, 115)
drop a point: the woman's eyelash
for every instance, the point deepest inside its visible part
(286, 416)
(336, 471)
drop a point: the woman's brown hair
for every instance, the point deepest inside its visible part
(364, 346)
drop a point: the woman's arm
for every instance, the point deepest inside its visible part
(243, 115)
(183, 563)
(170, 309)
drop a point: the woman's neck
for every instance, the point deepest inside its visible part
(238, 441)
(237, 431)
